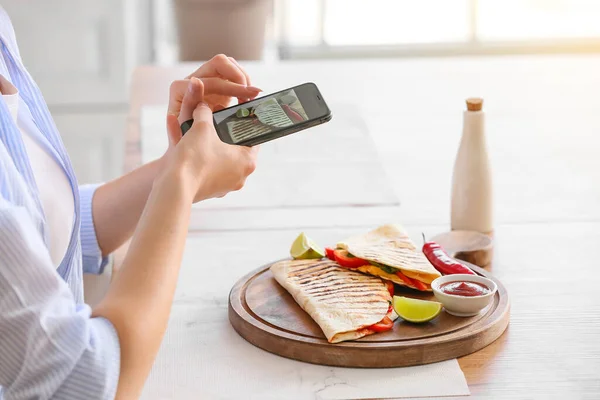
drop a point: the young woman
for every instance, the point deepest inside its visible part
(52, 345)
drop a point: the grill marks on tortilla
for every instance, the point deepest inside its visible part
(327, 283)
(387, 254)
(330, 278)
(342, 302)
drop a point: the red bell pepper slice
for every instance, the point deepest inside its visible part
(346, 260)
(386, 324)
(329, 253)
(390, 287)
(419, 285)
(404, 278)
(411, 282)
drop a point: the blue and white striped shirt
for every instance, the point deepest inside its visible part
(50, 347)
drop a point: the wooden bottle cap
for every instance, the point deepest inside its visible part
(474, 104)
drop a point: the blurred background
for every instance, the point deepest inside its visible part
(82, 53)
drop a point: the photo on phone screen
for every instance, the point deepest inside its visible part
(275, 113)
(262, 116)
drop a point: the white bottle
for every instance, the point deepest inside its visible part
(471, 207)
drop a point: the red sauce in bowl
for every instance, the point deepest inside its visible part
(464, 288)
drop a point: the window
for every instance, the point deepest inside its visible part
(351, 22)
(377, 27)
(538, 19)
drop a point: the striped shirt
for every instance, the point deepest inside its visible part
(50, 347)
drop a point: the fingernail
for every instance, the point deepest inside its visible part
(191, 86)
(254, 88)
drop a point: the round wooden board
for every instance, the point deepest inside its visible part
(267, 316)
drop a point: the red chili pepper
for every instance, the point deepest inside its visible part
(442, 261)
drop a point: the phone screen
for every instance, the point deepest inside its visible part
(269, 115)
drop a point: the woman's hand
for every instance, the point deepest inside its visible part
(208, 166)
(223, 79)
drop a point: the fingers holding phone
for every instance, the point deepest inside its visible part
(208, 166)
(219, 150)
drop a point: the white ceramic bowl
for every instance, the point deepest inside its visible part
(463, 306)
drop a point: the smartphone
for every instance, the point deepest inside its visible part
(273, 116)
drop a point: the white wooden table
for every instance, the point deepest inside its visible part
(328, 171)
(543, 130)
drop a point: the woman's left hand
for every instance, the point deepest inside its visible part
(223, 79)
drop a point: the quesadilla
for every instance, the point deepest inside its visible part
(387, 252)
(346, 305)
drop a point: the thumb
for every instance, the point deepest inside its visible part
(203, 114)
(194, 95)
(173, 130)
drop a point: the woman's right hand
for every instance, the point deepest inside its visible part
(207, 166)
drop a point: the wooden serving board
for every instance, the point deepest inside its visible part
(267, 316)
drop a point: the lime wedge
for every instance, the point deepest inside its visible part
(304, 248)
(242, 113)
(415, 310)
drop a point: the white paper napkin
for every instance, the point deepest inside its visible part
(432, 380)
(202, 357)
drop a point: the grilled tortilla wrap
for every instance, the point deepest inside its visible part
(390, 246)
(343, 303)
